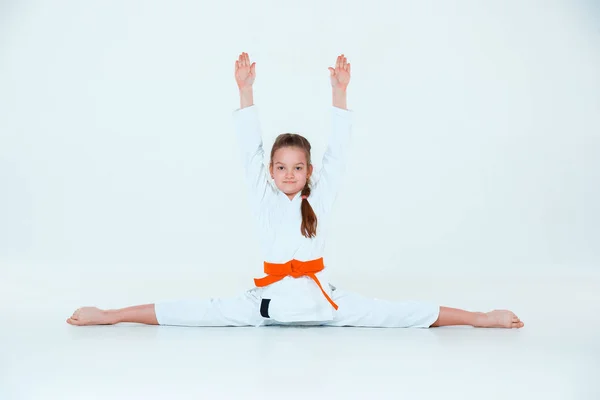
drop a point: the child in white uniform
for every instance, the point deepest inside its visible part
(292, 214)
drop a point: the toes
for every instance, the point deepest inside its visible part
(74, 321)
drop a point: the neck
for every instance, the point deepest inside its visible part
(292, 195)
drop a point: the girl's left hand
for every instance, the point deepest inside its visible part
(340, 76)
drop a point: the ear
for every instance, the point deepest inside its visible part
(271, 170)
(310, 171)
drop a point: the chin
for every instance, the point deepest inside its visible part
(286, 189)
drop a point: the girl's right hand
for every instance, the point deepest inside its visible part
(245, 73)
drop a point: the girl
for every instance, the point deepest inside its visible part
(293, 215)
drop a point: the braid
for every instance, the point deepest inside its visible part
(309, 218)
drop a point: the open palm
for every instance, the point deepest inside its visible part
(340, 75)
(245, 73)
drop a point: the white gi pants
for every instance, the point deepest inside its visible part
(245, 310)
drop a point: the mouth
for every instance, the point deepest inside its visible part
(289, 181)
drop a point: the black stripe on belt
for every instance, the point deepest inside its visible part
(264, 308)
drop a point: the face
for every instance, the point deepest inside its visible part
(289, 169)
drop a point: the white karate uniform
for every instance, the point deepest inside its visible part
(294, 300)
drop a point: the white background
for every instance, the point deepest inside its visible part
(476, 146)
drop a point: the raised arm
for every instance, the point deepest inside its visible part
(248, 133)
(335, 156)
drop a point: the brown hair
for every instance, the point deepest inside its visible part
(309, 218)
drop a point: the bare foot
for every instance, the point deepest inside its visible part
(90, 316)
(499, 319)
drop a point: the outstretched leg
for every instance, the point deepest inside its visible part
(493, 319)
(243, 310)
(144, 314)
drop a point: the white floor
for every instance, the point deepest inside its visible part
(556, 355)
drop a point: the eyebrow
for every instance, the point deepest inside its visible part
(279, 162)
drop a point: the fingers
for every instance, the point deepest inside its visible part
(342, 63)
(243, 61)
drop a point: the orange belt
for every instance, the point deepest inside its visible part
(295, 268)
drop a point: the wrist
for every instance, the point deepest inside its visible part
(246, 97)
(339, 98)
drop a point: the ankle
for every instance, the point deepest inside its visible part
(112, 316)
(480, 319)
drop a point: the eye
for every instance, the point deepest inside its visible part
(298, 168)
(280, 168)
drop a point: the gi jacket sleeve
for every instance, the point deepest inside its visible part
(249, 135)
(335, 157)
